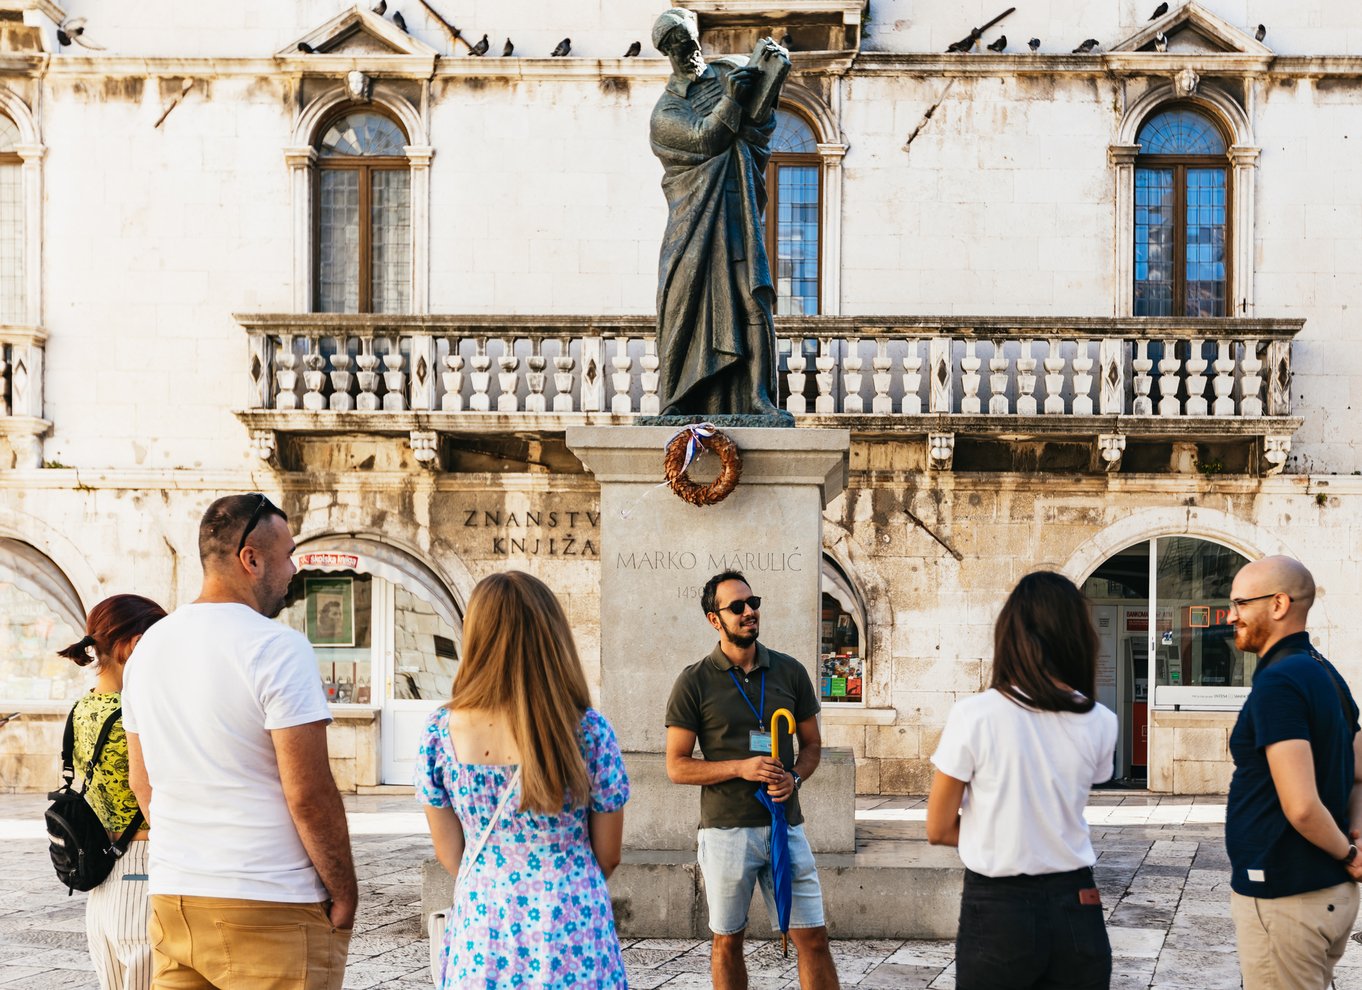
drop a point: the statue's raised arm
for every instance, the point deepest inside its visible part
(711, 130)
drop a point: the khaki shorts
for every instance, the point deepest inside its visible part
(1292, 943)
(201, 943)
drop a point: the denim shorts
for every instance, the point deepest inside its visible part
(734, 859)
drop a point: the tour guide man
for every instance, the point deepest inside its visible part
(1294, 803)
(726, 701)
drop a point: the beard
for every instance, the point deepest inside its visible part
(741, 636)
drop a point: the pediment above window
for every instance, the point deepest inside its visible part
(728, 26)
(1191, 29)
(358, 33)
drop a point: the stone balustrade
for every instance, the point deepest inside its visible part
(22, 426)
(933, 377)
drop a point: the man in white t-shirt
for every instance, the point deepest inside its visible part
(251, 876)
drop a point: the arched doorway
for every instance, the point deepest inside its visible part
(387, 632)
(1161, 611)
(40, 613)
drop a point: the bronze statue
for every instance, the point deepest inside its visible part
(711, 130)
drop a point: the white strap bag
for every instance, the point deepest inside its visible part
(435, 927)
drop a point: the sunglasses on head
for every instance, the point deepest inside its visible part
(261, 504)
(742, 605)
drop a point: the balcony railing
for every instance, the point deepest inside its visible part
(903, 375)
(21, 397)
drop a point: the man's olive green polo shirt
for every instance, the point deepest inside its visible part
(706, 701)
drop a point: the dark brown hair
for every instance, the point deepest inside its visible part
(112, 626)
(1045, 634)
(222, 524)
(519, 659)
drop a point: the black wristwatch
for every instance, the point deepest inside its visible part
(799, 780)
(1346, 860)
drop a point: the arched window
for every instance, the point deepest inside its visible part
(1181, 216)
(842, 640)
(363, 216)
(13, 304)
(40, 613)
(794, 188)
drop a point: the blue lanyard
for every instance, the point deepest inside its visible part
(761, 722)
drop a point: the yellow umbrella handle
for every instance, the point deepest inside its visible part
(788, 716)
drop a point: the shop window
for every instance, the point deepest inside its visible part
(363, 216)
(841, 673)
(1181, 216)
(13, 304)
(794, 206)
(353, 619)
(335, 612)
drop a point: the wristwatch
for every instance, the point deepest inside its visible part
(799, 780)
(1346, 860)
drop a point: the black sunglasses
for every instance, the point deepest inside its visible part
(262, 503)
(741, 605)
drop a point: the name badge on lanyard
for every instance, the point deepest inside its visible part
(758, 740)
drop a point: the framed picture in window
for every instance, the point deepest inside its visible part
(330, 611)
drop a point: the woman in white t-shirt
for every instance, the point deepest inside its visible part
(1014, 768)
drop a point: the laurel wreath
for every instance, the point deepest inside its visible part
(682, 451)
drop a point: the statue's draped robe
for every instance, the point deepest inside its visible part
(714, 293)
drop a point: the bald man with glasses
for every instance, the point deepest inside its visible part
(1295, 803)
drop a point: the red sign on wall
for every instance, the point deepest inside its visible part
(350, 561)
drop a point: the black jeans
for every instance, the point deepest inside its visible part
(1031, 933)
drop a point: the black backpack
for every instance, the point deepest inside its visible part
(78, 842)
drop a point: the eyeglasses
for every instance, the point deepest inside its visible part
(742, 605)
(1237, 604)
(262, 503)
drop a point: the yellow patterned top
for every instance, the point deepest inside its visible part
(110, 793)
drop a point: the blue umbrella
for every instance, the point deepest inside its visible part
(780, 838)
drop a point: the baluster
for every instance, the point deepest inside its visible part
(795, 402)
(1054, 378)
(1224, 379)
(998, 366)
(508, 381)
(912, 379)
(342, 379)
(1082, 405)
(650, 404)
(943, 376)
(421, 347)
(1143, 405)
(314, 376)
(1196, 380)
(851, 377)
(1250, 402)
(593, 383)
(394, 378)
(452, 378)
(1026, 381)
(480, 376)
(563, 378)
(1168, 380)
(882, 404)
(1111, 354)
(367, 377)
(621, 379)
(1279, 378)
(825, 362)
(535, 377)
(285, 375)
(970, 379)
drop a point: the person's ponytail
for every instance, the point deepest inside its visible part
(79, 652)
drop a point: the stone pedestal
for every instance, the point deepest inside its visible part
(656, 554)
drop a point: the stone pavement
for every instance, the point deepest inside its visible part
(1161, 868)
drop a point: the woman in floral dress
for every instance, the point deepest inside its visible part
(531, 909)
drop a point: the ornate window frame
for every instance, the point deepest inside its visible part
(301, 158)
(31, 152)
(832, 148)
(1243, 155)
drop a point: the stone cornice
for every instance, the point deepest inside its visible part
(1110, 63)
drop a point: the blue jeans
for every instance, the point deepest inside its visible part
(1031, 933)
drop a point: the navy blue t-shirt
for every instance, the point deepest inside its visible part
(1294, 696)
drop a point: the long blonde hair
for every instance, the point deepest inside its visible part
(519, 659)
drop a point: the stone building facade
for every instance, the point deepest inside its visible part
(1084, 311)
